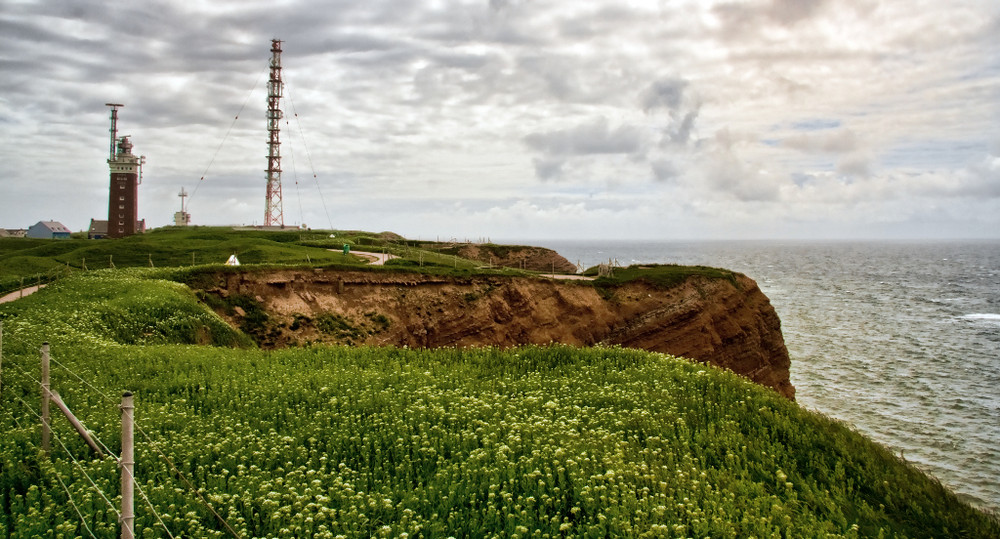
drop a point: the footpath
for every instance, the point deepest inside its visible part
(377, 259)
(17, 294)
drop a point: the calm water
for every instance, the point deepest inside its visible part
(899, 339)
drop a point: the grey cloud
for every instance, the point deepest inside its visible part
(726, 138)
(548, 168)
(560, 76)
(666, 93)
(985, 180)
(728, 174)
(595, 137)
(355, 42)
(792, 11)
(855, 164)
(413, 93)
(669, 94)
(680, 132)
(664, 170)
(600, 22)
(741, 183)
(742, 18)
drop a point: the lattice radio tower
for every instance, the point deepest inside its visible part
(273, 213)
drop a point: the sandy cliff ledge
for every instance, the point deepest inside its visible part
(726, 323)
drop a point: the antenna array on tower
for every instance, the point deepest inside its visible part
(273, 212)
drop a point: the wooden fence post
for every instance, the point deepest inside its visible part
(127, 464)
(75, 422)
(45, 398)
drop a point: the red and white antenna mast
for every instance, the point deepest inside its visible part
(273, 213)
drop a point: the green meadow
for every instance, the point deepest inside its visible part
(388, 442)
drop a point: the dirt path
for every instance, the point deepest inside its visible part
(377, 259)
(17, 294)
(567, 277)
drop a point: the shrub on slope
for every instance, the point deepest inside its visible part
(116, 307)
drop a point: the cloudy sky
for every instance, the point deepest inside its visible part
(534, 119)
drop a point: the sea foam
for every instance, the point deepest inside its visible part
(991, 317)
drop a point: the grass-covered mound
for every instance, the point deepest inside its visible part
(109, 308)
(322, 442)
(660, 275)
(26, 261)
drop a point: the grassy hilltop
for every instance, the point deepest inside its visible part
(35, 260)
(361, 442)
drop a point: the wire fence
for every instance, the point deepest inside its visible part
(18, 388)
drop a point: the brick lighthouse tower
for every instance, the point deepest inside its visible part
(126, 176)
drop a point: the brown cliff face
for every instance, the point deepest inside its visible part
(729, 324)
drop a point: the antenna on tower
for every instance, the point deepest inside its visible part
(273, 213)
(114, 127)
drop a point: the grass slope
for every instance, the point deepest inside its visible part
(362, 442)
(32, 261)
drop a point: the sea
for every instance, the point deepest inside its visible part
(898, 339)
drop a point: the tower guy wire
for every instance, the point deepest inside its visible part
(295, 177)
(224, 138)
(305, 146)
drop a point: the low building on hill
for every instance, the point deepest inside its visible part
(48, 230)
(12, 232)
(98, 229)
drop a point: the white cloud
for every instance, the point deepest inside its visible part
(764, 117)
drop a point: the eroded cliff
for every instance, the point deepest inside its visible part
(729, 323)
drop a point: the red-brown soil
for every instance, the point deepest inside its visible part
(731, 325)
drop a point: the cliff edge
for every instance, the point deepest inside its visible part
(510, 256)
(726, 322)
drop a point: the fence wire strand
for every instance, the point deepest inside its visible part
(148, 439)
(92, 434)
(76, 462)
(110, 453)
(73, 503)
(77, 376)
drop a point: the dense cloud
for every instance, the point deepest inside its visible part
(489, 114)
(594, 137)
(664, 93)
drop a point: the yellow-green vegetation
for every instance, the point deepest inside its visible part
(660, 275)
(43, 260)
(33, 261)
(388, 442)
